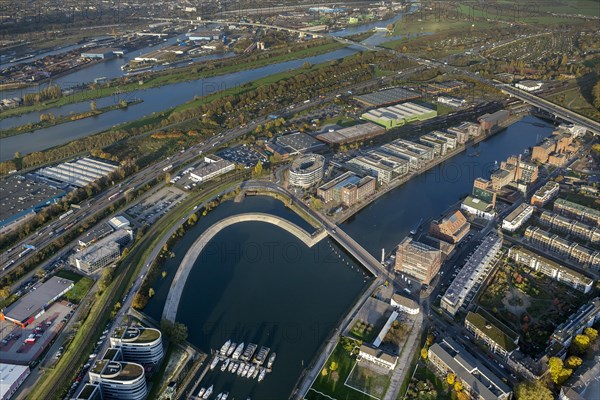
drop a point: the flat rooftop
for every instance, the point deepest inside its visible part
(37, 298)
(387, 96)
(299, 142)
(352, 133)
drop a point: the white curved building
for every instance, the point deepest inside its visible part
(307, 170)
(138, 344)
(119, 380)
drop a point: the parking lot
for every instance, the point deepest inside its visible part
(243, 155)
(21, 346)
(154, 207)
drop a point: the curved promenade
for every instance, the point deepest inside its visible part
(172, 303)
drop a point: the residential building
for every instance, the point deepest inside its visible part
(138, 344)
(450, 138)
(425, 152)
(478, 381)
(517, 217)
(404, 304)
(585, 386)
(552, 269)
(587, 315)
(478, 208)
(563, 247)
(451, 228)
(353, 193)
(465, 131)
(482, 190)
(544, 194)
(514, 170)
(499, 338)
(577, 211)
(377, 357)
(418, 260)
(306, 170)
(475, 270)
(559, 223)
(415, 161)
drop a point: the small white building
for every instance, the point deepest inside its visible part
(517, 218)
(529, 86)
(404, 304)
(377, 357)
(478, 208)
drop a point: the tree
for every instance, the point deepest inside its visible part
(424, 353)
(139, 301)
(591, 333)
(5, 292)
(580, 344)
(167, 178)
(258, 169)
(17, 154)
(164, 274)
(106, 279)
(458, 386)
(533, 391)
(150, 292)
(450, 379)
(558, 373)
(573, 362)
(192, 219)
(333, 366)
(179, 333)
(93, 105)
(324, 372)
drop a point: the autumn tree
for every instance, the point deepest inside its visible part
(558, 372)
(573, 362)
(591, 333)
(450, 379)
(139, 301)
(424, 353)
(533, 391)
(458, 386)
(150, 292)
(580, 344)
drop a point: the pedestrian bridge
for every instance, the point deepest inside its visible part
(178, 284)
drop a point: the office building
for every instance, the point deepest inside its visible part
(497, 336)
(451, 228)
(418, 260)
(529, 86)
(138, 344)
(11, 378)
(103, 252)
(552, 269)
(347, 189)
(437, 144)
(491, 122)
(306, 170)
(380, 165)
(465, 131)
(544, 194)
(517, 217)
(576, 211)
(475, 270)
(478, 381)
(212, 167)
(119, 380)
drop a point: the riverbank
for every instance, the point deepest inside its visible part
(345, 215)
(167, 77)
(50, 120)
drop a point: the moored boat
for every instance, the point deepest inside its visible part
(271, 360)
(238, 351)
(225, 364)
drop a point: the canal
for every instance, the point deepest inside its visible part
(385, 222)
(255, 282)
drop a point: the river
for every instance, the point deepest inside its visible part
(386, 221)
(255, 282)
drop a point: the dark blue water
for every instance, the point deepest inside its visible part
(255, 282)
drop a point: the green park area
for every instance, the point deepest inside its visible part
(339, 370)
(82, 286)
(530, 303)
(364, 331)
(425, 385)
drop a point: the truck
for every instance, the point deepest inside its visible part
(168, 167)
(65, 215)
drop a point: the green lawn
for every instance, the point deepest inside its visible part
(331, 384)
(70, 275)
(81, 288)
